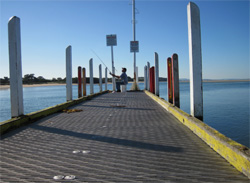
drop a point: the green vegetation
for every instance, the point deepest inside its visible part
(31, 79)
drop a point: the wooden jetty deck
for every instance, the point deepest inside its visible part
(117, 137)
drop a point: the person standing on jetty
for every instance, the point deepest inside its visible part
(123, 77)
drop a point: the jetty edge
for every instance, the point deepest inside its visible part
(235, 153)
(17, 122)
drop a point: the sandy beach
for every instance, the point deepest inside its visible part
(2, 87)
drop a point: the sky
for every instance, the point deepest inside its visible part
(49, 27)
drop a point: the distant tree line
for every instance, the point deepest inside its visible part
(31, 79)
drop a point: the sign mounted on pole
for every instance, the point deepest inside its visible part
(134, 46)
(111, 40)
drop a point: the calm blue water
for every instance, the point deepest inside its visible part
(226, 105)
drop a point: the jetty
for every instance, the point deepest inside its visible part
(113, 137)
(128, 136)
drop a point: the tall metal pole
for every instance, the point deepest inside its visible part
(133, 14)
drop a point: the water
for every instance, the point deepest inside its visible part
(226, 104)
(225, 107)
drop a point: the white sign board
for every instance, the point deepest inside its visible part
(111, 40)
(134, 46)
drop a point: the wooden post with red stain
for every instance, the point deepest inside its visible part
(170, 85)
(175, 81)
(84, 81)
(79, 82)
(152, 79)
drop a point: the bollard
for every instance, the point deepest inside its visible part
(195, 61)
(175, 81)
(137, 80)
(152, 80)
(114, 81)
(156, 74)
(84, 81)
(145, 77)
(106, 79)
(79, 82)
(15, 60)
(91, 80)
(113, 68)
(69, 73)
(170, 85)
(100, 77)
(148, 76)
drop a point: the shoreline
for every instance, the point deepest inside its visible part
(2, 87)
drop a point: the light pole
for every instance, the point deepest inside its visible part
(134, 47)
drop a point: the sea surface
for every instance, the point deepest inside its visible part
(226, 104)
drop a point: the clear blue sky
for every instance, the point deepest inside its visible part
(48, 27)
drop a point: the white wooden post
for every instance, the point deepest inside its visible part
(15, 60)
(100, 77)
(195, 61)
(145, 77)
(137, 80)
(175, 82)
(106, 78)
(91, 80)
(156, 74)
(148, 84)
(113, 68)
(69, 73)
